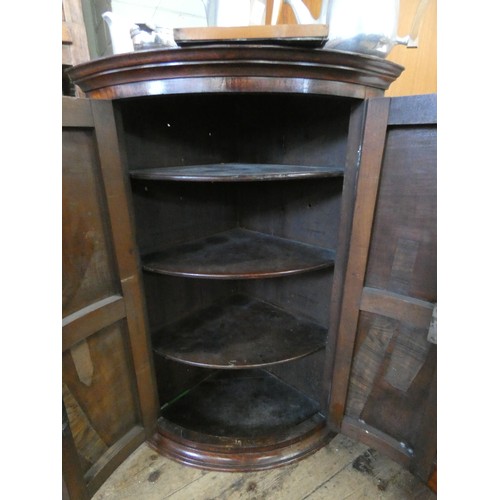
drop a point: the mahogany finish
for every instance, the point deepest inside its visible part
(241, 419)
(235, 68)
(276, 147)
(385, 370)
(240, 332)
(108, 384)
(236, 172)
(239, 254)
(284, 449)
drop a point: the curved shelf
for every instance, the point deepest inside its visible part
(241, 420)
(241, 332)
(236, 172)
(239, 254)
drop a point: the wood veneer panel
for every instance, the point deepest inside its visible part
(98, 393)
(89, 271)
(403, 250)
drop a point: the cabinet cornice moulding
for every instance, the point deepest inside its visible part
(230, 68)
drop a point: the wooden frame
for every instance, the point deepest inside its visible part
(358, 297)
(126, 308)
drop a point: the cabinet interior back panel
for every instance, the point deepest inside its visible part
(306, 210)
(187, 130)
(171, 298)
(168, 213)
(307, 294)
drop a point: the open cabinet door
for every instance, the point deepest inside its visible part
(108, 392)
(384, 377)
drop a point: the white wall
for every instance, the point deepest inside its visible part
(167, 13)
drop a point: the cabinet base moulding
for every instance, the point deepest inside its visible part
(226, 458)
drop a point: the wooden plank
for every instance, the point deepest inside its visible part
(403, 245)
(342, 469)
(113, 457)
(89, 444)
(393, 305)
(91, 319)
(73, 484)
(355, 138)
(413, 110)
(370, 165)
(119, 205)
(284, 483)
(67, 37)
(373, 337)
(373, 475)
(73, 16)
(106, 409)
(360, 431)
(76, 112)
(399, 398)
(426, 446)
(299, 34)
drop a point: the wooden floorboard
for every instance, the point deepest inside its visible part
(342, 469)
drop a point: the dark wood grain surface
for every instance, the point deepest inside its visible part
(235, 68)
(108, 387)
(236, 172)
(239, 254)
(390, 289)
(240, 332)
(241, 404)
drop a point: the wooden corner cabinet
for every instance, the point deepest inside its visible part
(250, 238)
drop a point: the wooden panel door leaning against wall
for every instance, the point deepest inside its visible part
(385, 367)
(108, 390)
